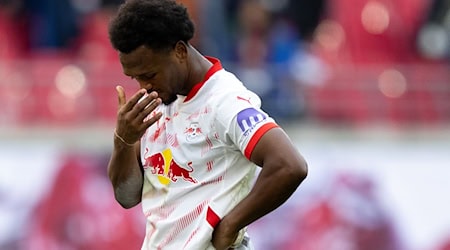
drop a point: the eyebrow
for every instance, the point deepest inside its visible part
(147, 74)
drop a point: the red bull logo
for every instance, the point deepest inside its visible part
(164, 166)
(193, 132)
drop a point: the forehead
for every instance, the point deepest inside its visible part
(139, 60)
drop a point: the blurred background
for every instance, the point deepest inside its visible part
(361, 86)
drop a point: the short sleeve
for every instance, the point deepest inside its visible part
(241, 121)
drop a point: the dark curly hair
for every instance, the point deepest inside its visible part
(157, 24)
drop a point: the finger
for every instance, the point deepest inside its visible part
(149, 109)
(134, 99)
(121, 96)
(143, 103)
(152, 120)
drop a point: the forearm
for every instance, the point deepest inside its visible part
(125, 175)
(271, 189)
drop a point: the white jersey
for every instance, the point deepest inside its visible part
(196, 160)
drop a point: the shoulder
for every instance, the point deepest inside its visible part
(229, 90)
(226, 77)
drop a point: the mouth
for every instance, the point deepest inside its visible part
(159, 94)
(151, 90)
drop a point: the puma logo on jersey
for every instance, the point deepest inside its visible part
(243, 99)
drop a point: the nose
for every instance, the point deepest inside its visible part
(145, 84)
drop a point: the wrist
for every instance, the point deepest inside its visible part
(120, 139)
(231, 228)
(239, 238)
(228, 226)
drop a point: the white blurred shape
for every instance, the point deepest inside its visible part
(375, 17)
(330, 35)
(26, 173)
(433, 41)
(71, 81)
(308, 69)
(86, 6)
(257, 80)
(392, 83)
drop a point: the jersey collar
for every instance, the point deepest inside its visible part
(214, 68)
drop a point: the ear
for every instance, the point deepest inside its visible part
(181, 51)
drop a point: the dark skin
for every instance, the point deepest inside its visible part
(163, 75)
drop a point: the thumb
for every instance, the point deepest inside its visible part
(121, 96)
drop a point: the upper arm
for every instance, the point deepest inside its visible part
(243, 124)
(275, 147)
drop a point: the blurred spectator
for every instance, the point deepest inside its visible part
(214, 36)
(193, 7)
(306, 15)
(13, 39)
(264, 44)
(312, 59)
(372, 32)
(433, 39)
(13, 43)
(92, 43)
(52, 23)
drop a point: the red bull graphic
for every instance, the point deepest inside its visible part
(164, 166)
(175, 172)
(156, 162)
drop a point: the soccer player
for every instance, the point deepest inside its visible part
(188, 143)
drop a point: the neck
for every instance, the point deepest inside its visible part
(198, 65)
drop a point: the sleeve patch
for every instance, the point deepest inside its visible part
(248, 118)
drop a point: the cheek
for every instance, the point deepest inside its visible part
(175, 78)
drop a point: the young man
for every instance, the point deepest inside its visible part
(188, 143)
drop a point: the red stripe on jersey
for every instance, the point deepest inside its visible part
(212, 218)
(216, 67)
(258, 134)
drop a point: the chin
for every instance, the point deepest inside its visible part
(169, 100)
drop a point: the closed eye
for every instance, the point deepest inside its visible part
(146, 77)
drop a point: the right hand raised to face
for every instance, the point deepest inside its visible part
(131, 114)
